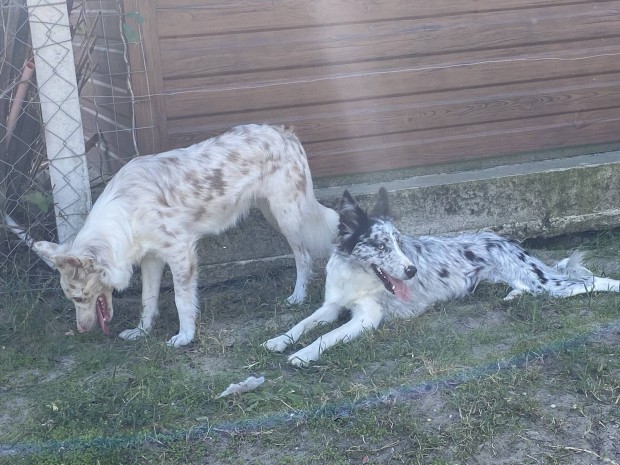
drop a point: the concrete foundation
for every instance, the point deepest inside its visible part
(534, 199)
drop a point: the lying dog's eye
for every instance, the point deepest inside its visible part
(381, 246)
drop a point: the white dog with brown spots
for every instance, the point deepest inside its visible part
(156, 208)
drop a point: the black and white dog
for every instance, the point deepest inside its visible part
(377, 272)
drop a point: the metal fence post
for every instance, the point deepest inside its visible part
(60, 109)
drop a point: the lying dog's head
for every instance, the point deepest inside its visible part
(82, 280)
(374, 242)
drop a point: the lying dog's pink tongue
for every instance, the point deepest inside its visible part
(103, 315)
(401, 290)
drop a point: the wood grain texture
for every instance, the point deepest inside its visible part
(150, 110)
(384, 84)
(104, 97)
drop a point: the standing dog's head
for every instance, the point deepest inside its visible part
(374, 242)
(83, 281)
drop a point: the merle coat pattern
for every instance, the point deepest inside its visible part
(377, 272)
(156, 208)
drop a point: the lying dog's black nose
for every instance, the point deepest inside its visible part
(410, 271)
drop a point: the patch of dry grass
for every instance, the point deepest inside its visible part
(473, 381)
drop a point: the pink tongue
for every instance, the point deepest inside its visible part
(101, 308)
(401, 290)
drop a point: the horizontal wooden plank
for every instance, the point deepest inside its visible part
(197, 17)
(123, 114)
(265, 80)
(474, 142)
(390, 83)
(120, 140)
(110, 61)
(418, 112)
(363, 42)
(101, 4)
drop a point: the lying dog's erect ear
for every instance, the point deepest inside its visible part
(347, 200)
(382, 207)
(351, 216)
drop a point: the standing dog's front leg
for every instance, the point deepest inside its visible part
(328, 313)
(366, 315)
(152, 269)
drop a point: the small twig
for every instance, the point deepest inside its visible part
(587, 451)
(387, 446)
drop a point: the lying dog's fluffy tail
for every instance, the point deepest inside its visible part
(580, 278)
(566, 278)
(573, 267)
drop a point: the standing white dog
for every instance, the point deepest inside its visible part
(156, 208)
(377, 272)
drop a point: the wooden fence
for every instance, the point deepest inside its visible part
(380, 84)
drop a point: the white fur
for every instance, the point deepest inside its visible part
(156, 208)
(447, 267)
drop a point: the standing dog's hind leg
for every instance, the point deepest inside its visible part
(184, 276)
(289, 223)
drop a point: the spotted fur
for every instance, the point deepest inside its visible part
(156, 208)
(415, 272)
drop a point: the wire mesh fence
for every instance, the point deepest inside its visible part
(24, 186)
(63, 80)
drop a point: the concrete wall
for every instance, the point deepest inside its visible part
(534, 199)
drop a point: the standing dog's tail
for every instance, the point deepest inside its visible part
(319, 231)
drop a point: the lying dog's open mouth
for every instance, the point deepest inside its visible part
(393, 285)
(103, 314)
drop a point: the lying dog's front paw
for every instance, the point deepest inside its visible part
(303, 357)
(278, 344)
(181, 339)
(514, 294)
(132, 334)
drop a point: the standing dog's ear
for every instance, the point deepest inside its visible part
(55, 255)
(48, 251)
(382, 207)
(351, 216)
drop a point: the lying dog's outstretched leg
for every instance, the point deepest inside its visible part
(152, 269)
(367, 316)
(328, 313)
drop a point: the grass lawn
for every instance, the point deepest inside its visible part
(475, 381)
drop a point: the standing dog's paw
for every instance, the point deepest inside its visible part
(132, 334)
(296, 298)
(278, 344)
(180, 340)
